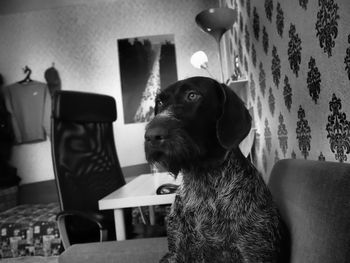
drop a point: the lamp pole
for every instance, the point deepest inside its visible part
(215, 22)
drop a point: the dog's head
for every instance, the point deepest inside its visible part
(197, 121)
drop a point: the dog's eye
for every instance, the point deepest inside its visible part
(192, 96)
(159, 103)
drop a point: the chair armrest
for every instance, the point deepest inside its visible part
(96, 218)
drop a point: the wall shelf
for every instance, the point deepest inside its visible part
(240, 87)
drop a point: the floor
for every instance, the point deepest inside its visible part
(32, 259)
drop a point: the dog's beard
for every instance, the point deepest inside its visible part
(177, 153)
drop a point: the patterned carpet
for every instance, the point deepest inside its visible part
(30, 259)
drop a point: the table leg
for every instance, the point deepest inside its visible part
(152, 217)
(119, 224)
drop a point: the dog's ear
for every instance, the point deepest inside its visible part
(235, 121)
(155, 108)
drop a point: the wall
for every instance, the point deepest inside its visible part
(298, 67)
(81, 40)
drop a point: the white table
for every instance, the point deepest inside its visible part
(139, 192)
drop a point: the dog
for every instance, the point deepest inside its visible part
(223, 210)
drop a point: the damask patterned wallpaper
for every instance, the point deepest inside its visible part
(296, 56)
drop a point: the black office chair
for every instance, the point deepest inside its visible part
(86, 165)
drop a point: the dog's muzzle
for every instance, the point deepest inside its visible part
(167, 143)
(157, 139)
(157, 131)
(161, 136)
(156, 135)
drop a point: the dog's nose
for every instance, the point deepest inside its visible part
(155, 134)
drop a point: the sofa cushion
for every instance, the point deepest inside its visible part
(314, 200)
(129, 251)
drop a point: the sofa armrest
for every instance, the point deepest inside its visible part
(144, 250)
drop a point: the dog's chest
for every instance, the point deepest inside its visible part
(208, 202)
(208, 221)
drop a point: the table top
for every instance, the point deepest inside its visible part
(140, 192)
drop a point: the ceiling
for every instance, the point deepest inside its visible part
(19, 6)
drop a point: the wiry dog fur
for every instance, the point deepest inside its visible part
(223, 211)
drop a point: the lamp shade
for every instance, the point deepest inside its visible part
(216, 21)
(199, 60)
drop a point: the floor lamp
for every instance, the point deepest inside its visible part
(215, 22)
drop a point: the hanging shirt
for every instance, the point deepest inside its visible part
(30, 108)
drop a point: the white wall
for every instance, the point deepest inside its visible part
(81, 41)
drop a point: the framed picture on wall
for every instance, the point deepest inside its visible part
(147, 65)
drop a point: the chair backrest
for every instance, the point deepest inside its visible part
(85, 160)
(314, 200)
